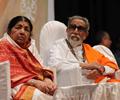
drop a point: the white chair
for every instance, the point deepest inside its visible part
(34, 51)
(5, 86)
(51, 31)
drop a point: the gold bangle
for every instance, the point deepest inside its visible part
(32, 82)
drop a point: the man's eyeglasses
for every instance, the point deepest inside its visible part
(79, 28)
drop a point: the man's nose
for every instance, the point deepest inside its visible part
(76, 30)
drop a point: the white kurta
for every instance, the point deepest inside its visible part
(106, 52)
(67, 66)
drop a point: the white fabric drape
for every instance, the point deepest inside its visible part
(104, 91)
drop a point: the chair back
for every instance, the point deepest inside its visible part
(5, 83)
(51, 31)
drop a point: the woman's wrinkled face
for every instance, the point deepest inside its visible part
(77, 32)
(20, 33)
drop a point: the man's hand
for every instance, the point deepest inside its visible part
(93, 74)
(94, 70)
(92, 66)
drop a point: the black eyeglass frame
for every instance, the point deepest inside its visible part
(79, 28)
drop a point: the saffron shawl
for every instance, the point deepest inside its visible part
(23, 65)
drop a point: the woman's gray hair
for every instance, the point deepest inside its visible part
(81, 18)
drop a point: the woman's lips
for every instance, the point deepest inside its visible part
(21, 39)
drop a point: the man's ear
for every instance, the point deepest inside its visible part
(67, 30)
(85, 37)
(87, 34)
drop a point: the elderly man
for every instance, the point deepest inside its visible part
(78, 63)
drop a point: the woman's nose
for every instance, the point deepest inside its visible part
(22, 30)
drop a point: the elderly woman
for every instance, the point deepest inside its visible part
(29, 79)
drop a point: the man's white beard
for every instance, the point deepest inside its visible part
(75, 40)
